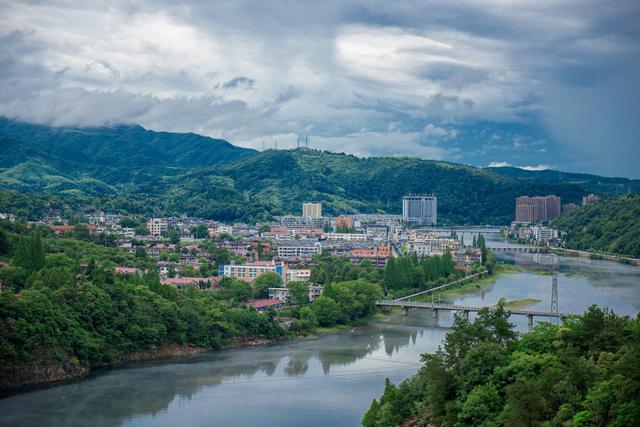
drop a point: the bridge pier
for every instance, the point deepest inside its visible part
(530, 321)
(405, 311)
(434, 313)
(465, 313)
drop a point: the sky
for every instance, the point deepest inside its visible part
(533, 84)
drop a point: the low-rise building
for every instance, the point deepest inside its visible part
(253, 269)
(264, 304)
(349, 237)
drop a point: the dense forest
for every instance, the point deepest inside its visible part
(610, 225)
(584, 373)
(132, 170)
(62, 308)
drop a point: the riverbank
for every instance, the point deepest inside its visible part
(597, 256)
(472, 285)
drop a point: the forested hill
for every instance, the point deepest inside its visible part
(279, 181)
(37, 157)
(133, 170)
(593, 183)
(610, 225)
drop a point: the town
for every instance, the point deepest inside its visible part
(191, 252)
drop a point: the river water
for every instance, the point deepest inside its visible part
(325, 381)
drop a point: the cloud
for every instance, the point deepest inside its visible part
(415, 77)
(535, 168)
(239, 82)
(499, 165)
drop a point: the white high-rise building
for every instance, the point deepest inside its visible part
(420, 208)
(311, 210)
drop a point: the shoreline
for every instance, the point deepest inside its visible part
(49, 375)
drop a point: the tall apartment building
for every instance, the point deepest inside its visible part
(590, 198)
(420, 208)
(311, 210)
(157, 226)
(538, 208)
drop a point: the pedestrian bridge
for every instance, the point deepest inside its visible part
(466, 309)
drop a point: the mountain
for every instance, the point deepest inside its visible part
(131, 169)
(278, 182)
(611, 225)
(115, 155)
(593, 183)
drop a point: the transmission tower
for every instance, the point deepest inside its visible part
(554, 298)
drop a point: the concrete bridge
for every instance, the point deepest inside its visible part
(466, 309)
(519, 249)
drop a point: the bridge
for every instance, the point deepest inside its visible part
(519, 249)
(407, 305)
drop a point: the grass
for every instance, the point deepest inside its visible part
(521, 303)
(473, 285)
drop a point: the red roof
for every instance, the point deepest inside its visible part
(261, 303)
(260, 264)
(190, 280)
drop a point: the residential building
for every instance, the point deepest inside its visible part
(253, 269)
(157, 226)
(344, 222)
(264, 304)
(538, 208)
(568, 208)
(433, 246)
(420, 209)
(298, 275)
(345, 236)
(311, 210)
(590, 198)
(544, 234)
(298, 249)
(282, 294)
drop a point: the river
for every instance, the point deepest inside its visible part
(329, 380)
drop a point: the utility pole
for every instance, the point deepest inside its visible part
(554, 298)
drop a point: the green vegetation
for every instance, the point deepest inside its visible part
(607, 226)
(586, 373)
(521, 303)
(131, 170)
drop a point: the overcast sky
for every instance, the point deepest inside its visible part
(527, 83)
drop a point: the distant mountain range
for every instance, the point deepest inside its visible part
(131, 169)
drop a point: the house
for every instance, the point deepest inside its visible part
(183, 282)
(264, 304)
(128, 270)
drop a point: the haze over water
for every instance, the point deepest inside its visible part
(330, 380)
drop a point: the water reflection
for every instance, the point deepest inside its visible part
(328, 380)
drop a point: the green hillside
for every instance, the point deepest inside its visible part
(611, 225)
(592, 183)
(114, 155)
(130, 169)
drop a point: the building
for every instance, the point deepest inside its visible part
(298, 250)
(544, 234)
(538, 208)
(568, 208)
(433, 246)
(420, 209)
(252, 270)
(298, 275)
(344, 222)
(282, 294)
(157, 226)
(311, 210)
(349, 237)
(264, 304)
(590, 198)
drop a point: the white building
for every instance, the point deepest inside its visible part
(298, 250)
(282, 294)
(157, 226)
(253, 269)
(544, 234)
(311, 210)
(421, 209)
(349, 237)
(298, 275)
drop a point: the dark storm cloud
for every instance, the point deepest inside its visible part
(453, 80)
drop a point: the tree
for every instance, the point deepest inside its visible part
(240, 291)
(263, 282)
(30, 254)
(482, 405)
(327, 311)
(200, 231)
(141, 230)
(5, 244)
(298, 292)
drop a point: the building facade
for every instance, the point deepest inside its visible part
(157, 226)
(538, 208)
(590, 198)
(311, 210)
(420, 209)
(252, 270)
